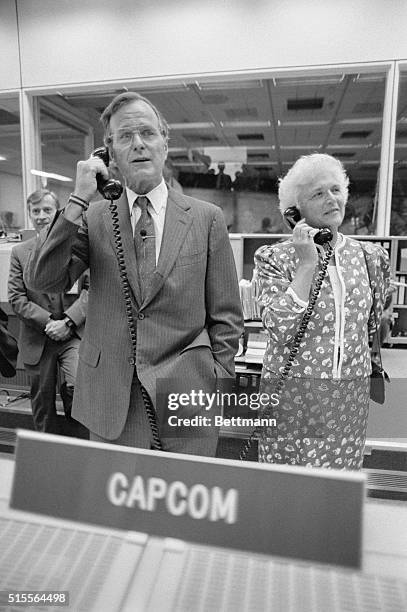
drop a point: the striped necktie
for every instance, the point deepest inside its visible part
(144, 242)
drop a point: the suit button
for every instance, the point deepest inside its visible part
(132, 360)
(141, 316)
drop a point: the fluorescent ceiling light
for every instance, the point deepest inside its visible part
(308, 80)
(51, 175)
(295, 147)
(229, 85)
(245, 124)
(401, 145)
(350, 146)
(361, 120)
(304, 123)
(192, 126)
(2, 158)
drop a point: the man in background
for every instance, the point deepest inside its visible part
(183, 292)
(51, 327)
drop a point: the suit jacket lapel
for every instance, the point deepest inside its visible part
(126, 234)
(176, 225)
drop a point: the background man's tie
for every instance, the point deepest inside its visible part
(144, 242)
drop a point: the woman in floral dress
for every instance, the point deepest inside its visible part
(321, 416)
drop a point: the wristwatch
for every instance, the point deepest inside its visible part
(69, 323)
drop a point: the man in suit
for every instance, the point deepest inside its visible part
(183, 292)
(51, 327)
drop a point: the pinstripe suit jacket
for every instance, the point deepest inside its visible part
(188, 325)
(34, 308)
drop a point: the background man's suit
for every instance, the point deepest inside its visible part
(39, 353)
(188, 325)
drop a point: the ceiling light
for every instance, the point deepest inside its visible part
(191, 126)
(360, 121)
(304, 123)
(349, 146)
(229, 85)
(308, 80)
(2, 158)
(51, 175)
(295, 147)
(245, 124)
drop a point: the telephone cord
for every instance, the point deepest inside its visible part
(157, 444)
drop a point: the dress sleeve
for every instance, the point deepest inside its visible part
(282, 310)
(379, 270)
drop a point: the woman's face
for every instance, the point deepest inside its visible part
(322, 200)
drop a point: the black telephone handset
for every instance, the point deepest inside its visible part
(292, 215)
(111, 189)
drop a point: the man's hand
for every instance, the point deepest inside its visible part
(86, 171)
(57, 330)
(85, 185)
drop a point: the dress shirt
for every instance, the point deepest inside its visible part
(157, 207)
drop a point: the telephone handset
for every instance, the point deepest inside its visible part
(111, 189)
(292, 215)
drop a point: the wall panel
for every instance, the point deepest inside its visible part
(9, 64)
(79, 41)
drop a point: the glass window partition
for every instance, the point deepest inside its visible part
(398, 219)
(11, 183)
(63, 144)
(230, 141)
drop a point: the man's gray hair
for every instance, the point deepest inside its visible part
(303, 172)
(121, 100)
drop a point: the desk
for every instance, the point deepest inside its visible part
(384, 539)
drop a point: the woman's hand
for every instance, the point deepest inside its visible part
(307, 253)
(303, 241)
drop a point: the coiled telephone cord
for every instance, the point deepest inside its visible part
(294, 349)
(152, 418)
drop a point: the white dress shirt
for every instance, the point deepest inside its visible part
(156, 207)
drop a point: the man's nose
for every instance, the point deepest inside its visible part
(137, 140)
(330, 196)
(42, 214)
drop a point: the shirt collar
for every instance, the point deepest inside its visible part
(157, 196)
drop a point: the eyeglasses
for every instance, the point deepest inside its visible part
(125, 137)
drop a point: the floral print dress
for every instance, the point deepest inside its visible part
(321, 417)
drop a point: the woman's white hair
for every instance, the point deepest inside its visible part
(303, 172)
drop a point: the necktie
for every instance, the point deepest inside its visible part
(144, 242)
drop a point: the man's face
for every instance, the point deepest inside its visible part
(139, 148)
(42, 213)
